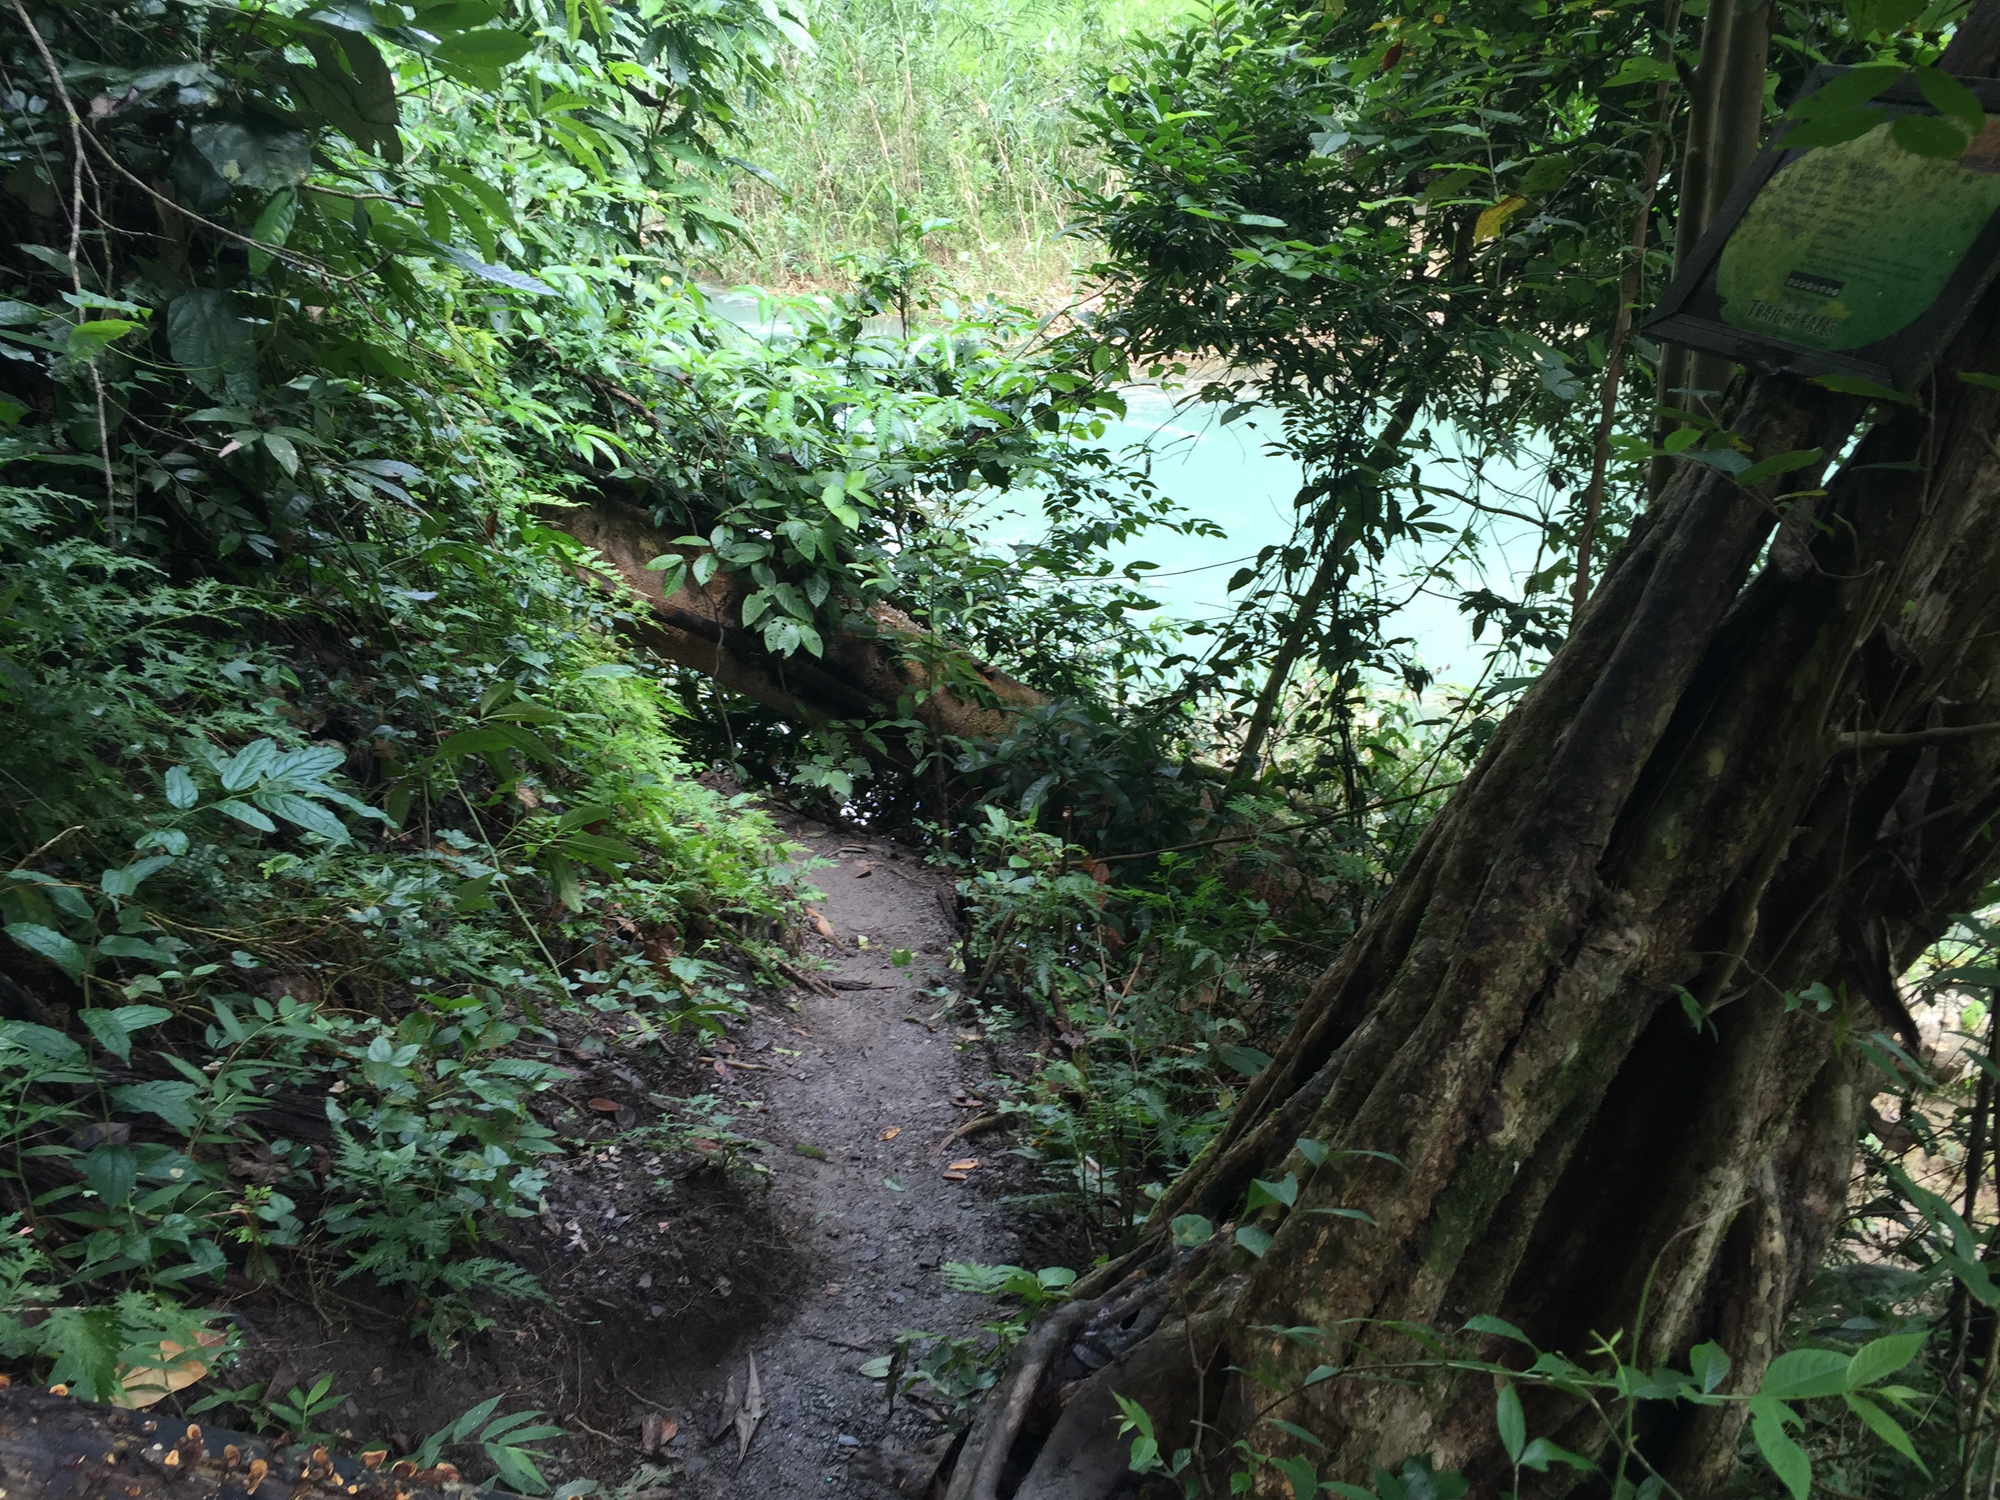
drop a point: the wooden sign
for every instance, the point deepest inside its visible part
(1858, 259)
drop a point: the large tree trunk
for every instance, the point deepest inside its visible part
(1763, 759)
(892, 668)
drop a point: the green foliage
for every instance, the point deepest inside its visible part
(504, 1440)
(957, 111)
(959, 1370)
(333, 799)
(1614, 1395)
(299, 1410)
(329, 797)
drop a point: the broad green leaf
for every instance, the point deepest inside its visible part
(305, 814)
(88, 340)
(1192, 1229)
(483, 53)
(1253, 1239)
(1884, 1426)
(112, 1171)
(247, 815)
(1297, 1431)
(1312, 1151)
(1927, 135)
(113, 1028)
(217, 347)
(1881, 1358)
(1510, 1421)
(1262, 1192)
(1803, 1373)
(273, 227)
(1833, 128)
(562, 876)
(1304, 1479)
(1854, 385)
(280, 447)
(181, 789)
(1485, 1323)
(1787, 1459)
(1951, 98)
(263, 160)
(1540, 1453)
(513, 280)
(1245, 1060)
(49, 944)
(1639, 70)
(350, 87)
(1710, 1364)
(1780, 463)
(169, 1098)
(249, 765)
(1845, 90)
(456, 15)
(307, 763)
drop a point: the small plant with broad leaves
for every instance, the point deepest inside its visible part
(506, 1441)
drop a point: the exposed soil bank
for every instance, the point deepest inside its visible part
(806, 1227)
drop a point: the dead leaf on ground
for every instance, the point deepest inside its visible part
(951, 1176)
(820, 923)
(143, 1385)
(750, 1413)
(890, 1134)
(655, 1432)
(965, 1164)
(605, 1106)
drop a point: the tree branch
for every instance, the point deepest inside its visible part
(1868, 739)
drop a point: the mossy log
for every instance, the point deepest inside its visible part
(889, 667)
(55, 1448)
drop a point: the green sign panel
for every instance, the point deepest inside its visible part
(1855, 259)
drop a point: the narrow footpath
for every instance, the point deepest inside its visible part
(867, 1092)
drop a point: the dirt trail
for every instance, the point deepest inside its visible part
(870, 1219)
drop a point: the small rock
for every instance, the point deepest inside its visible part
(846, 1441)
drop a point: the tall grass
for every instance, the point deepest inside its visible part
(954, 109)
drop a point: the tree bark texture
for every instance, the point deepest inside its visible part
(890, 669)
(1708, 790)
(54, 1448)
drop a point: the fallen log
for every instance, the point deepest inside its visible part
(864, 674)
(53, 1447)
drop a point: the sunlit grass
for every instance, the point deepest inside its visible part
(957, 110)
